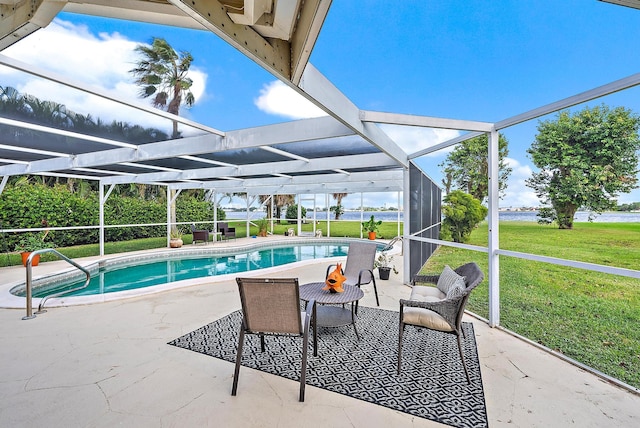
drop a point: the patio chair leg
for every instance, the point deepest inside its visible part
(303, 369)
(314, 325)
(400, 343)
(375, 290)
(353, 319)
(236, 373)
(464, 364)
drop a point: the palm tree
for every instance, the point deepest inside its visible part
(48, 112)
(281, 201)
(339, 209)
(162, 72)
(263, 199)
(12, 103)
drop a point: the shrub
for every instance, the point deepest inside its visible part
(462, 213)
(292, 212)
(36, 205)
(191, 209)
(132, 210)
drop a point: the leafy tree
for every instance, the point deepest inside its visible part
(162, 72)
(633, 206)
(585, 160)
(462, 213)
(292, 212)
(338, 209)
(467, 167)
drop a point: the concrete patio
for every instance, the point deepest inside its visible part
(109, 364)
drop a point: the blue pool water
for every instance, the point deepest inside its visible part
(146, 273)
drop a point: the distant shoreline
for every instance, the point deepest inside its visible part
(531, 216)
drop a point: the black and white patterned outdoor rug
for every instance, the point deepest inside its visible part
(431, 385)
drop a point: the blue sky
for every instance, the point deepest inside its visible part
(473, 60)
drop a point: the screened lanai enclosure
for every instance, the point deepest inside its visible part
(344, 151)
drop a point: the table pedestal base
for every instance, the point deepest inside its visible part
(336, 316)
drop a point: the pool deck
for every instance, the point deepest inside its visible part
(108, 364)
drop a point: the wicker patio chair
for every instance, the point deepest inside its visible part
(359, 266)
(226, 232)
(272, 307)
(199, 235)
(429, 307)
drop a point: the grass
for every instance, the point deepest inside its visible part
(589, 316)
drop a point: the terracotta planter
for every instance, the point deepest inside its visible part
(262, 233)
(372, 235)
(175, 243)
(34, 261)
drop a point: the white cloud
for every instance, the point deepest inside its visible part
(279, 99)
(517, 193)
(102, 61)
(414, 138)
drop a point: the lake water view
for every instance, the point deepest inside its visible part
(581, 216)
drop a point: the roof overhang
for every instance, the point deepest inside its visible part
(629, 3)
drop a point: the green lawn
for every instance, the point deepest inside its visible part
(589, 316)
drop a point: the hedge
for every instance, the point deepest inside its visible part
(37, 206)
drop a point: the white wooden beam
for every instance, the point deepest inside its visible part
(424, 121)
(445, 144)
(372, 160)
(154, 12)
(494, 233)
(319, 90)
(583, 97)
(287, 132)
(312, 16)
(273, 55)
(18, 19)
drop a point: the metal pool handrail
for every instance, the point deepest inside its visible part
(28, 266)
(391, 243)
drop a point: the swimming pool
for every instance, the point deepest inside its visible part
(138, 272)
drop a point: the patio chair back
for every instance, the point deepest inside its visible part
(271, 306)
(473, 276)
(359, 266)
(439, 314)
(199, 235)
(360, 260)
(226, 232)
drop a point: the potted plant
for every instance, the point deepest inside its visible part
(262, 224)
(384, 263)
(371, 226)
(30, 243)
(175, 238)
